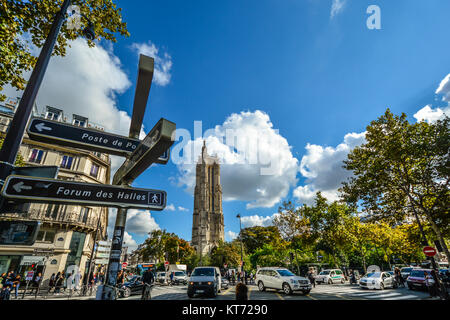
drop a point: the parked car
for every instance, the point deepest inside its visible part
(281, 279)
(378, 280)
(160, 277)
(131, 287)
(416, 279)
(205, 280)
(330, 276)
(406, 271)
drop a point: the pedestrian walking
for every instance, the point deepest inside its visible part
(120, 278)
(36, 281)
(16, 285)
(5, 293)
(430, 284)
(147, 279)
(51, 283)
(58, 282)
(310, 276)
(398, 277)
(171, 278)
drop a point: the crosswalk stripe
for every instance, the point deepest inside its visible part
(393, 294)
(402, 297)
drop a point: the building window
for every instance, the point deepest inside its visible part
(51, 115)
(52, 211)
(36, 156)
(66, 162)
(94, 170)
(46, 236)
(80, 123)
(84, 214)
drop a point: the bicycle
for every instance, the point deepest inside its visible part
(147, 293)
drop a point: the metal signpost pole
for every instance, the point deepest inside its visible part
(14, 136)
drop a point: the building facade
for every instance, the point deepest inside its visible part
(67, 231)
(208, 225)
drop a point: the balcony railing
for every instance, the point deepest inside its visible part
(72, 218)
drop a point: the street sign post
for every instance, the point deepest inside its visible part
(37, 171)
(79, 137)
(149, 150)
(59, 191)
(429, 251)
(124, 265)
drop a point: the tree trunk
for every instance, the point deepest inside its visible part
(440, 238)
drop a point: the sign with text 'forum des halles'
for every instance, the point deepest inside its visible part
(33, 189)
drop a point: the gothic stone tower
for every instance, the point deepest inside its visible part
(207, 227)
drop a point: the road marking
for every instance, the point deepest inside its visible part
(249, 291)
(386, 295)
(226, 291)
(279, 296)
(311, 297)
(402, 297)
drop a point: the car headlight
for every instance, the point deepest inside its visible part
(209, 283)
(373, 282)
(293, 281)
(191, 283)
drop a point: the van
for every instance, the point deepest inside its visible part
(205, 280)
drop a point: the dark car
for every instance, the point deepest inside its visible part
(132, 287)
(416, 279)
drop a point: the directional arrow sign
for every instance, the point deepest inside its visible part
(33, 189)
(79, 137)
(149, 150)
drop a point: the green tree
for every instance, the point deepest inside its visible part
(255, 237)
(226, 253)
(20, 161)
(403, 170)
(25, 23)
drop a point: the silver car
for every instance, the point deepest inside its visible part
(378, 280)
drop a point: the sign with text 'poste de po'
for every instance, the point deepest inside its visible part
(33, 189)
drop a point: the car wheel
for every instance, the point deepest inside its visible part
(342, 280)
(126, 292)
(287, 288)
(261, 286)
(190, 294)
(395, 285)
(214, 292)
(306, 292)
(330, 281)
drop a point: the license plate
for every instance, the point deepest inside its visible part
(200, 291)
(417, 284)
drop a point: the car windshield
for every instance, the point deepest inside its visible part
(417, 273)
(203, 272)
(325, 272)
(373, 275)
(162, 274)
(179, 273)
(406, 270)
(285, 273)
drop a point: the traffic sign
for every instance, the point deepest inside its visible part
(44, 190)
(429, 251)
(79, 137)
(166, 263)
(29, 276)
(124, 265)
(149, 150)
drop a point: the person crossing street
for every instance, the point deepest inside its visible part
(147, 279)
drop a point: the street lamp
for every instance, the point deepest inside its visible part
(240, 237)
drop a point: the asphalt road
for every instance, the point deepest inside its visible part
(320, 292)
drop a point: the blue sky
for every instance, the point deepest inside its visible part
(317, 77)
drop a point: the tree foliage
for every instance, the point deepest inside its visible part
(403, 170)
(27, 23)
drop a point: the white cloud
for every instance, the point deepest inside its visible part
(322, 166)
(139, 222)
(163, 63)
(255, 220)
(129, 242)
(170, 207)
(429, 114)
(444, 89)
(182, 209)
(230, 235)
(337, 6)
(260, 148)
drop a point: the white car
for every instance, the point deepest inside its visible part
(180, 277)
(330, 276)
(378, 280)
(281, 279)
(160, 277)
